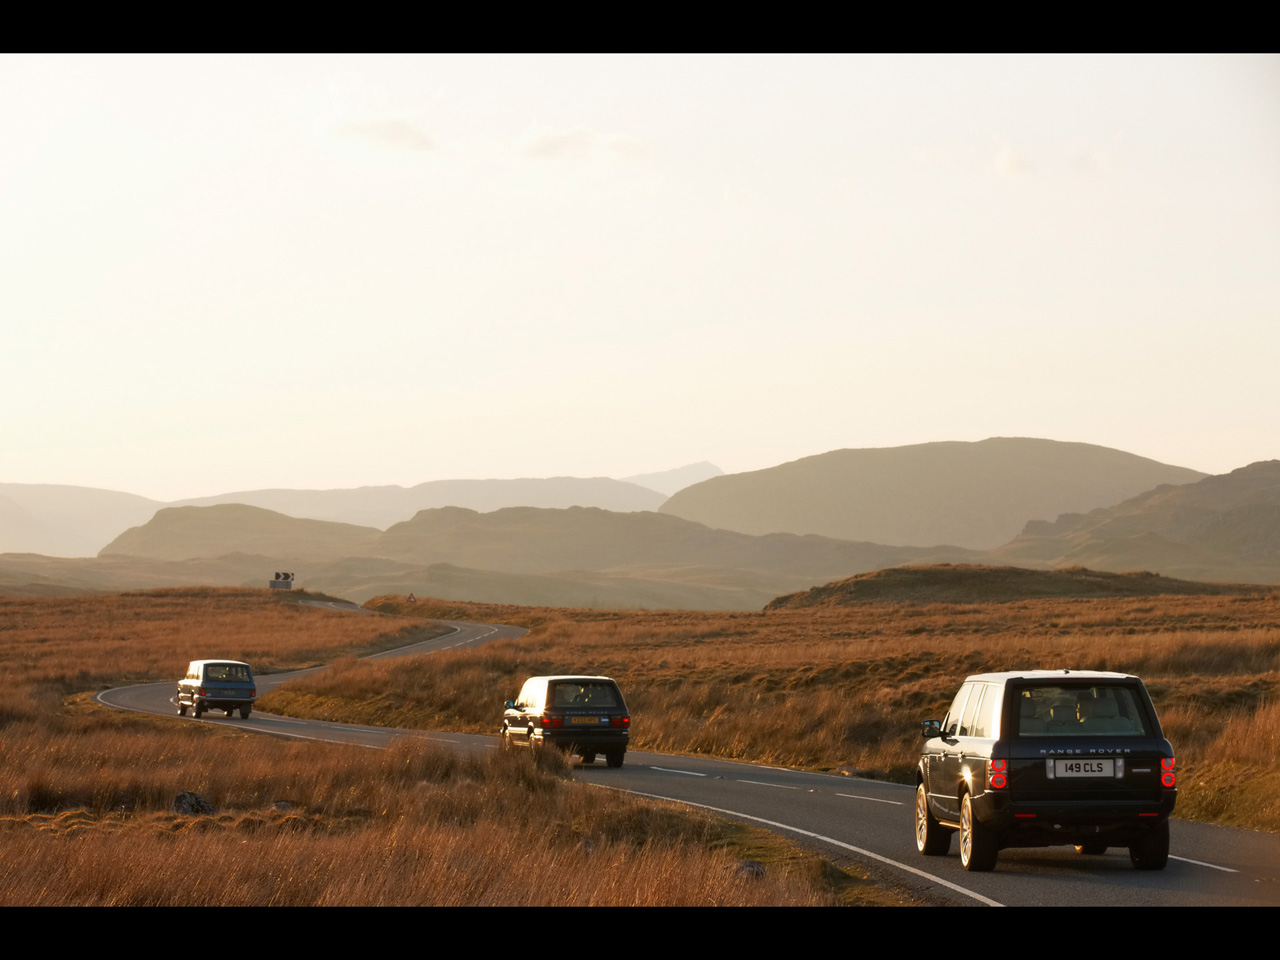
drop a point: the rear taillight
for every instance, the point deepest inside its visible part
(1166, 772)
(620, 722)
(997, 774)
(551, 721)
(200, 691)
(253, 691)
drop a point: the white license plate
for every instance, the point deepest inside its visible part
(1084, 768)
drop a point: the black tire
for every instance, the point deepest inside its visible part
(244, 713)
(230, 711)
(1091, 849)
(589, 757)
(932, 839)
(615, 757)
(197, 710)
(1151, 852)
(182, 709)
(504, 740)
(978, 848)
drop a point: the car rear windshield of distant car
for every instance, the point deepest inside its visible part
(585, 695)
(227, 672)
(1073, 710)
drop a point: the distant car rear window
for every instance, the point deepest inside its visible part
(585, 695)
(1072, 710)
(230, 672)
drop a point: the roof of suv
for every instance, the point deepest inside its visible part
(571, 676)
(201, 663)
(1051, 675)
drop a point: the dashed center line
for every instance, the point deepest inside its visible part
(761, 783)
(854, 796)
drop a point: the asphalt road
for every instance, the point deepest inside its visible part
(846, 819)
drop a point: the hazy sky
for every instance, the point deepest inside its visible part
(222, 273)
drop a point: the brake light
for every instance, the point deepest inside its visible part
(620, 722)
(552, 721)
(1166, 772)
(997, 773)
(253, 691)
(200, 691)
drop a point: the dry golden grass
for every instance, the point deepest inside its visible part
(416, 824)
(85, 791)
(845, 687)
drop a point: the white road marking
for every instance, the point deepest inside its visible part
(854, 796)
(817, 836)
(1201, 863)
(761, 783)
(687, 773)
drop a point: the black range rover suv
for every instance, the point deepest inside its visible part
(1044, 757)
(583, 715)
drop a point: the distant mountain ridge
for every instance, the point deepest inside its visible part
(513, 540)
(531, 540)
(383, 506)
(1223, 527)
(975, 495)
(61, 520)
(670, 481)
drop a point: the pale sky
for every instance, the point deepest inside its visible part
(226, 273)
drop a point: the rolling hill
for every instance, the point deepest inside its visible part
(976, 495)
(1223, 527)
(967, 583)
(188, 533)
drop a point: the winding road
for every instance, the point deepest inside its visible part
(843, 818)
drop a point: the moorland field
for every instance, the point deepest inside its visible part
(85, 792)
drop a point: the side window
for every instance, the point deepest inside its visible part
(971, 710)
(985, 721)
(951, 723)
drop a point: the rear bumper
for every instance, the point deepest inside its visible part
(224, 703)
(597, 739)
(1039, 822)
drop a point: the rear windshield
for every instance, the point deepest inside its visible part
(1103, 710)
(227, 672)
(585, 695)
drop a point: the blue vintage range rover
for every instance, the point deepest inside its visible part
(216, 685)
(1041, 757)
